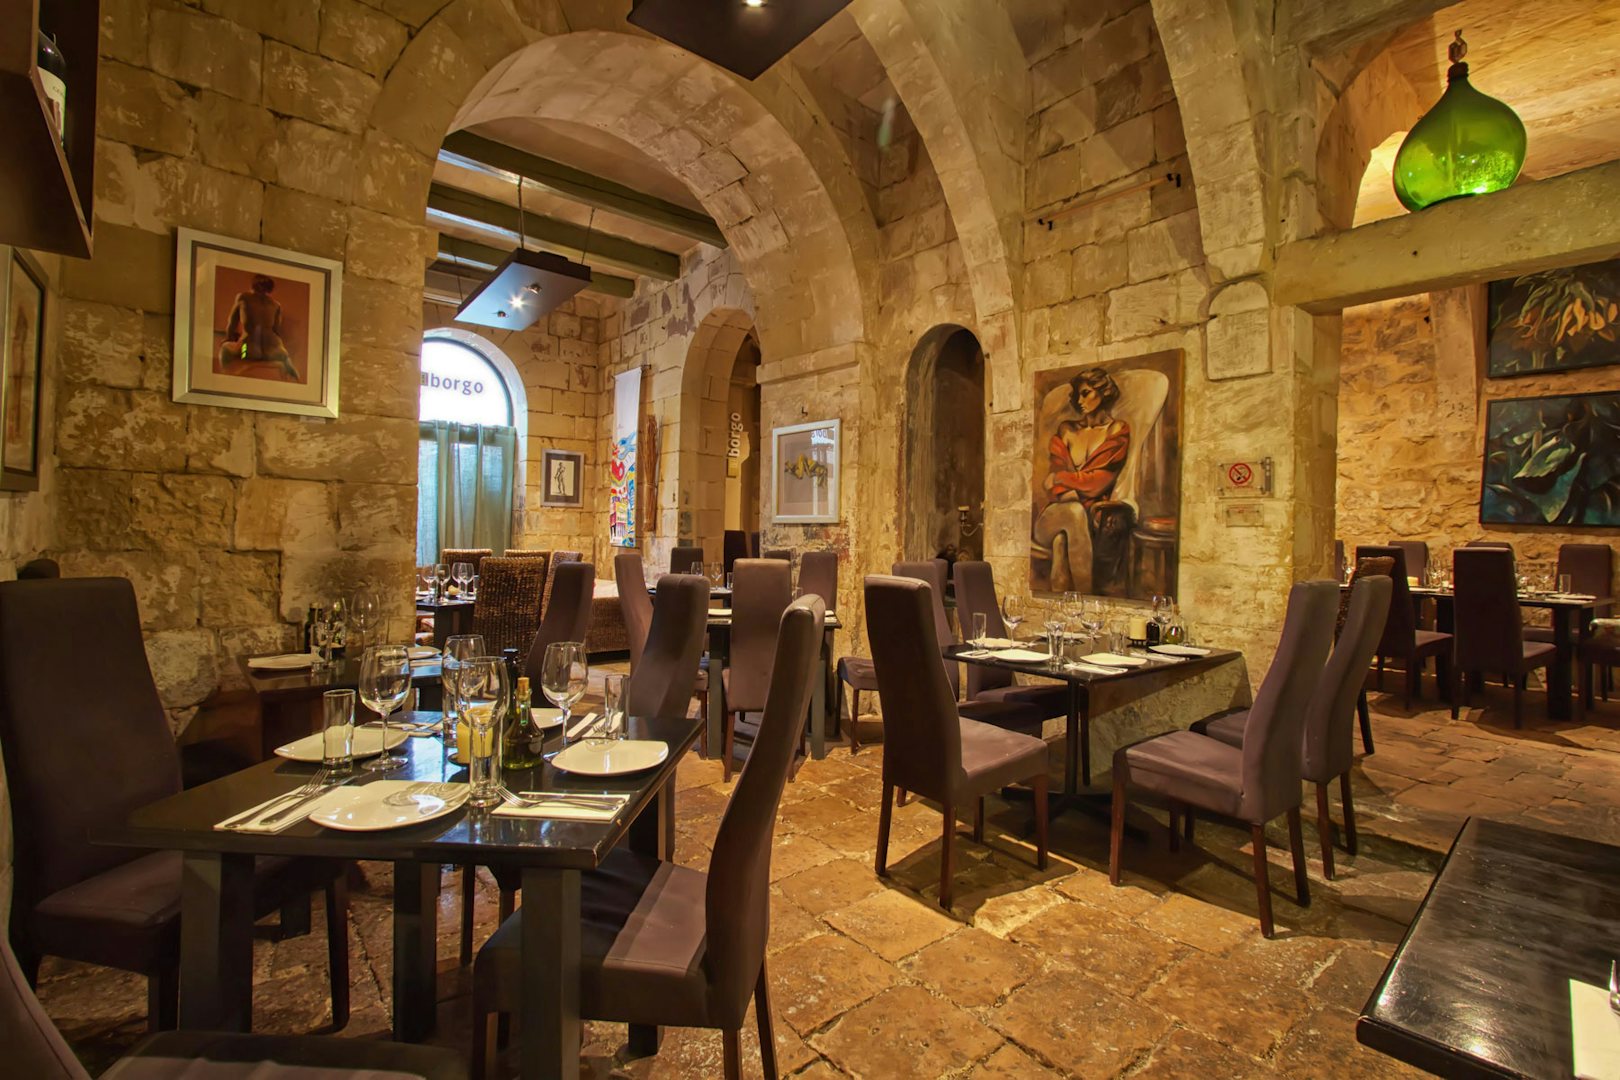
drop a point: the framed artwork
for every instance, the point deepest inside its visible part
(561, 472)
(1555, 320)
(255, 327)
(1552, 461)
(1105, 481)
(622, 463)
(22, 320)
(804, 484)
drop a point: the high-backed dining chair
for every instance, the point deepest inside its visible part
(686, 560)
(1498, 544)
(782, 554)
(930, 749)
(662, 683)
(1328, 747)
(1490, 625)
(936, 573)
(556, 560)
(1403, 639)
(1415, 554)
(1253, 783)
(86, 741)
(35, 569)
(1377, 566)
(634, 604)
(506, 610)
(36, 1050)
(1591, 571)
(761, 592)
(818, 574)
(476, 556)
(665, 944)
(734, 546)
(567, 617)
(976, 595)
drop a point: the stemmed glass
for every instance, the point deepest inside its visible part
(563, 675)
(1162, 607)
(441, 575)
(462, 573)
(364, 611)
(320, 633)
(483, 691)
(458, 649)
(1053, 621)
(385, 680)
(1012, 613)
(717, 574)
(1091, 619)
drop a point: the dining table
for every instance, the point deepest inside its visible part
(289, 700)
(1482, 985)
(548, 855)
(1086, 685)
(451, 615)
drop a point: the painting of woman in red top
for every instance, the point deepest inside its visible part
(1086, 454)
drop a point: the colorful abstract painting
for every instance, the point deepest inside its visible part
(622, 462)
(1555, 320)
(1552, 461)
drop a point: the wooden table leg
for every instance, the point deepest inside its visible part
(1074, 749)
(719, 651)
(416, 949)
(1558, 696)
(549, 1015)
(216, 942)
(818, 701)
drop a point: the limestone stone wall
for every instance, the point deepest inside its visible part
(1412, 404)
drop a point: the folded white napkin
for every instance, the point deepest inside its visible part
(249, 820)
(1093, 669)
(564, 810)
(720, 611)
(284, 662)
(996, 642)
(1024, 655)
(1570, 596)
(575, 731)
(1594, 1031)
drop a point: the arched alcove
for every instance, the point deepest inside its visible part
(719, 378)
(944, 444)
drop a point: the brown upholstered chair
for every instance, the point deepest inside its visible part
(663, 682)
(476, 556)
(976, 595)
(1328, 748)
(35, 569)
(818, 576)
(1591, 571)
(35, 1049)
(1403, 639)
(1500, 545)
(931, 749)
(556, 560)
(762, 593)
(779, 553)
(686, 560)
(1377, 567)
(86, 741)
(634, 603)
(1415, 554)
(734, 546)
(857, 673)
(567, 616)
(507, 609)
(1253, 783)
(1490, 625)
(707, 957)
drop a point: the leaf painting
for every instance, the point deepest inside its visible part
(1552, 461)
(1555, 320)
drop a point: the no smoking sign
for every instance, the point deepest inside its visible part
(1245, 479)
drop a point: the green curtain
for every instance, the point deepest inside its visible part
(465, 495)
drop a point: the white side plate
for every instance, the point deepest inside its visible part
(611, 757)
(284, 662)
(1179, 650)
(368, 742)
(387, 804)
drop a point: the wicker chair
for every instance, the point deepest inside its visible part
(476, 556)
(507, 609)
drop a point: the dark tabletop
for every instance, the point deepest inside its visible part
(1041, 668)
(1527, 599)
(185, 822)
(343, 674)
(428, 604)
(1480, 985)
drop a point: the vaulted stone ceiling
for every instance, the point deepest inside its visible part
(1557, 62)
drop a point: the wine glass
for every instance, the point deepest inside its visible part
(1162, 607)
(1053, 621)
(483, 691)
(1012, 613)
(1091, 618)
(365, 609)
(458, 649)
(563, 675)
(385, 679)
(461, 573)
(441, 575)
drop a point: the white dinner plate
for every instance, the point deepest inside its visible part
(424, 652)
(1108, 659)
(545, 718)
(611, 757)
(1022, 656)
(387, 804)
(368, 742)
(1178, 650)
(725, 611)
(285, 662)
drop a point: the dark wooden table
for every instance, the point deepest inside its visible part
(450, 617)
(720, 654)
(216, 956)
(288, 699)
(1084, 686)
(1479, 987)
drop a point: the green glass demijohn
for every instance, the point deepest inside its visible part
(1468, 144)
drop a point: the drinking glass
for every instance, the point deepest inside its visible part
(462, 573)
(365, 610)
(1053, 621)
(441, 575)
(1162, 606)
(1091, 618)
(728, 582)
(717, 574)
(563, 675)
(616, 724)
(472, 588)
(483, 693)
(981, 627)
(424, 580)
(385, 679)
(458, 649)
(1012, 613)
(1566, 583)
(320, 633)
(337, 730)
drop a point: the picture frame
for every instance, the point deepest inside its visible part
(1552, 461)
(805, 473)
(22, 342)
(1562, 319)
(255, 326)
(562, 478)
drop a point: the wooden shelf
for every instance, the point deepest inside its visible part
(46, 194)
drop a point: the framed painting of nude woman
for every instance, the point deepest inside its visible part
(1105, 488)
(255, 327)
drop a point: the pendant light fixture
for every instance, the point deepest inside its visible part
(1469, 143)
(528, 285)
(743, 36)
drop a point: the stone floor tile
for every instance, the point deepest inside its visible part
(1186, 1055)
(1235, 1007)
(795, 852)
(824, 813)
(830, 885)
(1004, 914)
(822, 977)
(791, 924)
(973, 968)
(1324, 1044)
(1119, 955)
(1010, 1063)
(1348, 980)
(1070, 1021)
(892, 923)
(1203, 925)
(1133, 894)
(906, 1031)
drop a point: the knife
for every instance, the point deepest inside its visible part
(305, 801)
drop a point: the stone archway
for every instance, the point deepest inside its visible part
(716, 349)
(944, 444)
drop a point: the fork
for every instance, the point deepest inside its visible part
(585, 802)
(309, 787)
(1614, 985)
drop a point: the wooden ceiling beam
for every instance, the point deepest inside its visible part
(471, 257)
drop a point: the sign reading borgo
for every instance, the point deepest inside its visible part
(460, 385)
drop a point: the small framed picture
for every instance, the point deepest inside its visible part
(560, 474)
(804, 480)
(255, 327)
(22, 321)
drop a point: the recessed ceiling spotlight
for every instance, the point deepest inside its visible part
(744, 38)
(753, 3)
